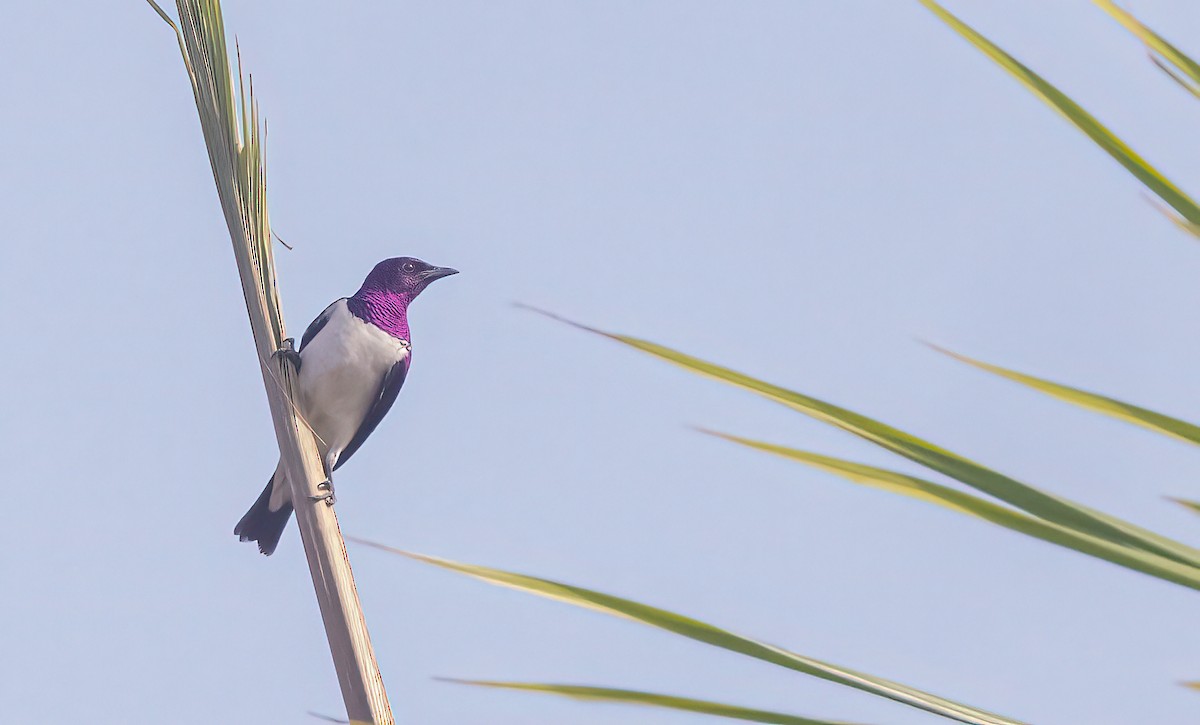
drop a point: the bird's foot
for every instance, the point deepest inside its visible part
(327, 496)
(288, 352)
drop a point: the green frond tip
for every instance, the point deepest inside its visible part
(1169, 213)
(1047, 506)
(1193, 506)
(709, 634)
(234, 137)
(162, 14)
(1073, 112)
(1144, 417)
(636, 697)
(1171, 60)
(964, 503)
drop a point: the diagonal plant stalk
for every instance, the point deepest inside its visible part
(711, 635)
(237, 157)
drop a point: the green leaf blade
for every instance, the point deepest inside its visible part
(1137, 415)
(1193, 506)
(1039, 503)
(1183, 69)
(709, 634)
(1126, 556)
(1142, 170)
(650, 699)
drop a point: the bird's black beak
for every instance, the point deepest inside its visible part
(433, 273)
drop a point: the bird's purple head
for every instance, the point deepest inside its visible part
(404, 276)
(385, 294)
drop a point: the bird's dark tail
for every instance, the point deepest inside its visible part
(263, 525)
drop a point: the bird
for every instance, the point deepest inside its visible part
(353, 360)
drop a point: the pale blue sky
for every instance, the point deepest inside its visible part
(797, 189)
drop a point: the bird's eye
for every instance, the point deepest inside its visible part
(408, 267)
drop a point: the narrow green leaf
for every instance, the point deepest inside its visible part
(162, 14)
(1176, 64)
(1127, 412)
(1166, 211)
(1174, 75)
(1047, 506)
(709, 634)
(1182, 68)
(1073, 112)
(651, 699)
(1193, 506)
(1126, 556)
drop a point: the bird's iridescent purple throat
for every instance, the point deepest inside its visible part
(387, 291)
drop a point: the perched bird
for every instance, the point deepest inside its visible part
(352, 362)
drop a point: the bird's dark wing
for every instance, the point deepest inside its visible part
(392, 382)
(318, 324)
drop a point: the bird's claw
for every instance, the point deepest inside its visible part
(328, 496)
(288, 352)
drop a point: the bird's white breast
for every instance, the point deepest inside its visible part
(341, 371)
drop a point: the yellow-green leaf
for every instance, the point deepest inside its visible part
(651, 699)
(1073, 112)
(1182, 68)
(1044, 505)
(1193, 506)
(711, 635)
(911, 486)
(1128, 412)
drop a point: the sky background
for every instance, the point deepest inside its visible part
(799, 190)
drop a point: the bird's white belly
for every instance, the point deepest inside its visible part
(341, 373)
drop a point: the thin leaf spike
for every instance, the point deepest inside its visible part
(1190, 505)
(711, 635)
(964, 503)
(1144, 417)
(1175, 63)
(651, 699)
(1154, 180)
(1044, 505)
